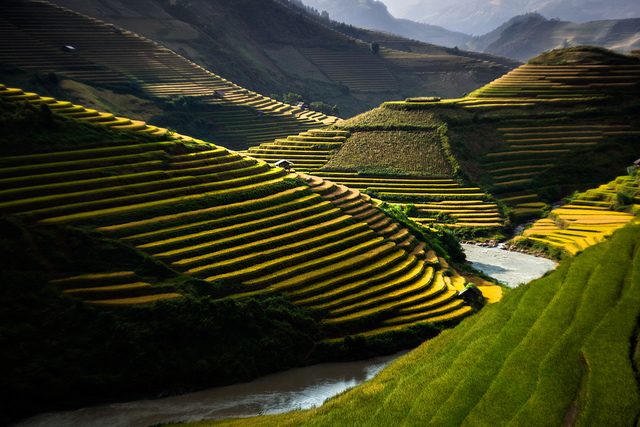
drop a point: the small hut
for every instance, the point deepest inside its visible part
(470, 293)
(285, 164)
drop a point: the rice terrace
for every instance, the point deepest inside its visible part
(166, 230)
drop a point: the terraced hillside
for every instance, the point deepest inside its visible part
(556, 82)
(359, 70)
(526, 143)
(590, 217)
(193, 207)
(146, 224)
(79, 112)
(544, 130)
(308, 151)
(562, 349)
(262, 46)
(39, 36)
(395, 156)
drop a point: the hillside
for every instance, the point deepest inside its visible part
(272, 48)
(397, 156)
(526, 36)
(480, 17)
(562, 349)
(523, 139)
(526, 137)
(119, 64)
(126, 239)
(374, 15)
(589, 217)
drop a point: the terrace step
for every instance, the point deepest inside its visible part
(318, 269)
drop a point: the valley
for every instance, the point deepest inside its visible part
(182, 231)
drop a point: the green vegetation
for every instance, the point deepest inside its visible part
(143, 257)
(527, 136)
(586, 219)
(559, 348)
(60, 353)
(385, 119)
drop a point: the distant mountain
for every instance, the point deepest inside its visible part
(526, 36)
(374, 14)
(521, 36)
(481, 16)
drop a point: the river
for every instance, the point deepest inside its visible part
(299, 388)
(508, 267)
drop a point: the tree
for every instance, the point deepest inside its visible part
(375, 47)
(292, 98)
(321, 107)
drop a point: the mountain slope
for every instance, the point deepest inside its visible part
(590, 217)
(481, 16)
(517, 138)
(150, 242)
(374, 15)
(527, 36)
(562, 349)
(527, 136)
(261, 46)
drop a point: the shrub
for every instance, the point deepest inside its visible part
(624, 198)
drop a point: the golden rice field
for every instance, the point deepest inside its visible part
(217, 216)
(588, 219)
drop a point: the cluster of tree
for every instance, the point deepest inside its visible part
(324, 14)
(319, 106)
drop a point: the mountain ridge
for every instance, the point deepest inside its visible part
(520, 36)
(526, 36)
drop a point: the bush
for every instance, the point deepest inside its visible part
(624, 198)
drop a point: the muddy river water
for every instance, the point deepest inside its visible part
(510, 268)
(299, 388)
